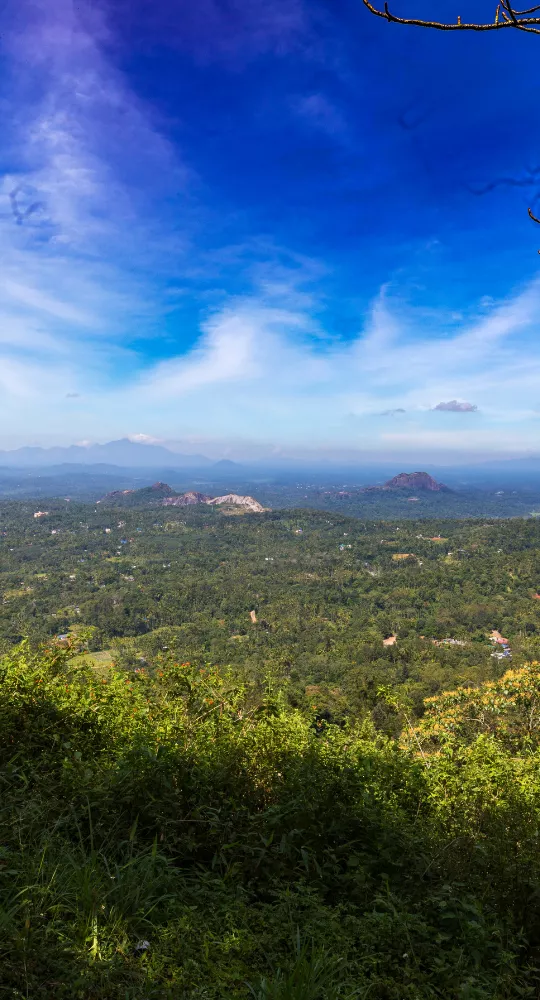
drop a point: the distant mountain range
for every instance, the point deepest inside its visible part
(126, 453)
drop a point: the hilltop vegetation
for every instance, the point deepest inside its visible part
(219, 783)
(180, 834)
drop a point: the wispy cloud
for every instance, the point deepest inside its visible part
(262, 367)
(79, 143)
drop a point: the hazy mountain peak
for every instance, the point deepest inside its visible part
(122, 452)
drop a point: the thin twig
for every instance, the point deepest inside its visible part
(511, 19)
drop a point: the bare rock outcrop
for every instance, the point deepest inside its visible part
(235, 500)
(186, 499)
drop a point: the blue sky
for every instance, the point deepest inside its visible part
(253, 228)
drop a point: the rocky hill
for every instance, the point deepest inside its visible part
(186, 499)
(166, 497)
(416, 481)
(229, 500)
(130, 498)
(234, 500)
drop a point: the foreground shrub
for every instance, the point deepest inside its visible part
(172, 836)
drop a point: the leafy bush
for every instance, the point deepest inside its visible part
(508, 708)
(172, 835)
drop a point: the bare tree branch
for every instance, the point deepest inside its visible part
(518, 13)
(20, 214)
(532, 179)
(533, 217)
(510, 19)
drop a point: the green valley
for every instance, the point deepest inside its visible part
(286, 754)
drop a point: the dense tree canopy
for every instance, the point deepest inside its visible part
(325, 591)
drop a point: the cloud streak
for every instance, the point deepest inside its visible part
(70, 280)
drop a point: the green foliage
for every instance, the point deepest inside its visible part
(169, 835)
(314, 976)
(296, 823)
(508, 708)
(182, 583)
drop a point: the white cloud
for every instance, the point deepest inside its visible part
(35, 300)
(226, 352)
(72, 287)
(265, 370)
(253, 341)
(144, 439)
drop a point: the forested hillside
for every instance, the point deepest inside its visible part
(277, 755)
